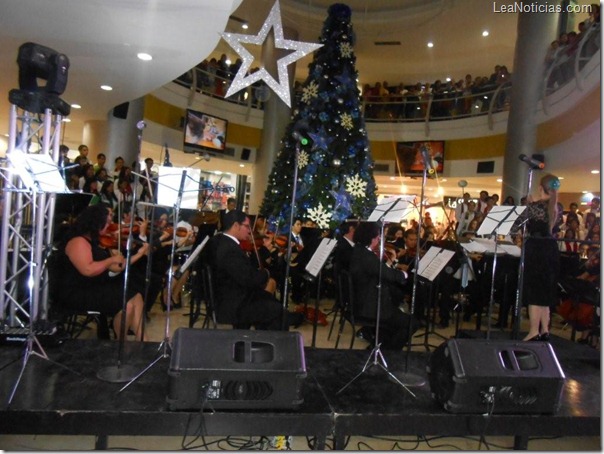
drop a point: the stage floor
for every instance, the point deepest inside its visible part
(53, 400)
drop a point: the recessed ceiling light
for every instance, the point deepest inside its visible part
(241, 165)
(66, 120)
(444, 180)
(76, 106)
(144, 56)
(485, 33)
(106, 87)
(595, 172)
(245, 26)
(560, 178)
(499, 180)
(430, 44)
(584, 192)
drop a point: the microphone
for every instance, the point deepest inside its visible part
(141, 125)
(427, 160)
(167, 162)
(533, 163)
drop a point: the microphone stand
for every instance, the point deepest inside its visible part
(284, 320)
(165, 344)
(120, 373)
(518, 303)
(376, 354)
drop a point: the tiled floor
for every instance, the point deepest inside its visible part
(179, 318)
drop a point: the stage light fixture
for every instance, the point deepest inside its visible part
(37, 62)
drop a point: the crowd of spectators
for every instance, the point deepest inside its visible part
(563, 52)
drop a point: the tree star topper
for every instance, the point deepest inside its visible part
(301, 49)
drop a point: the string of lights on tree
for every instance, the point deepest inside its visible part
(335, 169)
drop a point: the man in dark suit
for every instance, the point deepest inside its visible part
(365, 273)
(231, 206)
(344, 246)
(240, 289)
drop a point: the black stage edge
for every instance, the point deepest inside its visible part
(52, 400)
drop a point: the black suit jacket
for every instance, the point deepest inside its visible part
(342, 255)
(236, 281)
(365, 272)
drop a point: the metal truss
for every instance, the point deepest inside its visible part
(26, 235)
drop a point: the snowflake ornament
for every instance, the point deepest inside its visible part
(310, 92)
(346, 121)
(319, 216)
(302, 159)
(356, 186)
(345, 50)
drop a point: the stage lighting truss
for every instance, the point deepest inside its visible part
(27, 220)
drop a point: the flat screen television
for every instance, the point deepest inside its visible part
(204, 132)
(409, 159)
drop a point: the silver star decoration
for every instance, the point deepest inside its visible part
(281, 88)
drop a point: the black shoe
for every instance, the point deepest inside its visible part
(544, 337)
(535, 338)
(295, 319)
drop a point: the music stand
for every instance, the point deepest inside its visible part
(166, 194)
(392, 209)
(40, 175)
(498, 221)
(313, 273)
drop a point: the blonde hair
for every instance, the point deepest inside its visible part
(550, 185)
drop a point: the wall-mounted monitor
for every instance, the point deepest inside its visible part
(204, 132)
(409, 158)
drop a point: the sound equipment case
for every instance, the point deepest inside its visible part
(499, 376)
(236, 369)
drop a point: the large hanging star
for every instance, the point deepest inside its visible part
(281, 88)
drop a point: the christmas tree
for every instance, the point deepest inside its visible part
(335, 169)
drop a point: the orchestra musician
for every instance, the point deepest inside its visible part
(365, 272)
(240, 289)
(542, 261)
(84, 275)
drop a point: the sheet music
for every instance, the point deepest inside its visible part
(500, 220)
(193, 256)
(38, 172)
(396, 208)
(169, 179)
(433, 262)
(482, 245)
(318, 259)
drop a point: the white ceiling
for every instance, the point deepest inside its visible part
(101, 39)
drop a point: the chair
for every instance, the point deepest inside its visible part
(346, 295)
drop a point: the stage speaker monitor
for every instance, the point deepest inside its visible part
(235, 369)
(498, 376)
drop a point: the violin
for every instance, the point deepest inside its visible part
(181, 232)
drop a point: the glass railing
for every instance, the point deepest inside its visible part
(566, 64)
(448, 104)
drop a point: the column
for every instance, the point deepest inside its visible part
(535, 32)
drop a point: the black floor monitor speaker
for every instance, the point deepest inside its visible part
(235, 369)
(498, 376)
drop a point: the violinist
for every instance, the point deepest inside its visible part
(272, 259)
(185, 237)
(297, 264)
(365, 272)
(240, 287)
(85, 281)
(344, 246)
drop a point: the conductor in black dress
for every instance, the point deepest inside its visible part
(240, 288)
(541, 258)
(365, 271)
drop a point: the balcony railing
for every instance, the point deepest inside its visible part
(420, 107)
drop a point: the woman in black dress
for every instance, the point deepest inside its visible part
(541, 258)
(86, 280)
